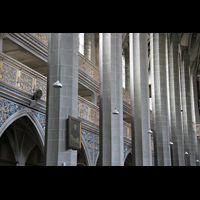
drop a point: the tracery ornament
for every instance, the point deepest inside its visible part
(43, 37)
(8, 108)
(26, 82)
(8, 74)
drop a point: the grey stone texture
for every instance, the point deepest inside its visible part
(159, 100)
(111, 97)
(127, 68)
(64, 101)
(139, 89)
(88, 45)
(190, 139)
(91, 48)
(175, 103)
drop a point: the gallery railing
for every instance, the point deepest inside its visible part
(88, 110)
(127, 130)
(43, 37)
(17, 75)
(40, 42)
(21, 77)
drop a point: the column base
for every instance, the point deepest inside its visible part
(67, 158)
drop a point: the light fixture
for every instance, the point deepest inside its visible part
(57, 84)
(37, 94)
(197, 161)
(186, 153)
(115, 112)
(171, 143)
(150, 131)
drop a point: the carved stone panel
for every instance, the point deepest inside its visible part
(26, 82)
(9, 74)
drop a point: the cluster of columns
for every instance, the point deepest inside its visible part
(167, 98)
(91, 47)
(175, 141)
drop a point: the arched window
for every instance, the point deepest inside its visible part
(81, 43)
(123, 71)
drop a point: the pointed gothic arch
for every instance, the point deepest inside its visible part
(25, 137)
(33, 119)
(86, 152)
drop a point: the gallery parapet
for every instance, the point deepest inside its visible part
(43, 37)
(15, 74)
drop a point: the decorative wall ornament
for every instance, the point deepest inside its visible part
(21, 76)
(88, 111)
(127, 150)
(26, 82)
(8, 108)
(92, 142)
(9, 74)
(89, 68)
(127, 130)
(43, 37)
(126, 96)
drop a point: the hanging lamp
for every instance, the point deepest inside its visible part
(58, 84)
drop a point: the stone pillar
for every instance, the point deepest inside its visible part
(93, 52)
(190, 138)
(194, 100)
(139, 89)
(94, 97)
(87, 45)
(21, 160)
(127, 69)
(91, 47)
(159, 100)
(61, 102)
(175, 102)
(194, 96)
(111, 97)
(96, 43)
(1, 43)
(198, 149)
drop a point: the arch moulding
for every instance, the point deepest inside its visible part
(21, 113)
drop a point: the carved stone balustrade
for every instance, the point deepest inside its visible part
(85, 65)
(127, 130)
(126, 96)
(89, 68)
(15, 74)
(88, 110)
(43, 37)
(19, 77)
